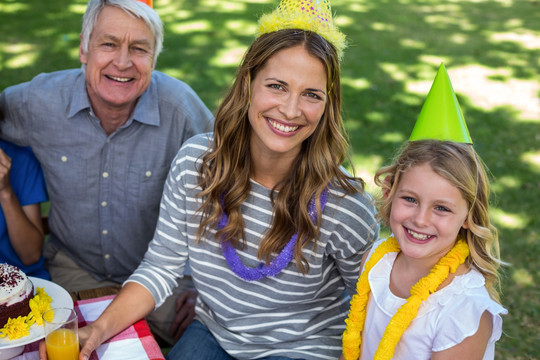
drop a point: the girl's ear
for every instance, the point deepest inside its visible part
(465, 224)
(387, 186)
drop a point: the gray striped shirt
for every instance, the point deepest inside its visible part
(291, 315)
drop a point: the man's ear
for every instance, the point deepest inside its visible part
(82, 55)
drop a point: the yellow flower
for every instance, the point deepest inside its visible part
(39, 305)
(42, 294)
(15, 328)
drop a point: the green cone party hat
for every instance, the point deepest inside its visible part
(441, 117)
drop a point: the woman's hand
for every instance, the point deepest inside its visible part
(90, 337)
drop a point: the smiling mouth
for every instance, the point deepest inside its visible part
(118, 79)
(282, 127)
(418, 236)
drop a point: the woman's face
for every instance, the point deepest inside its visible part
(288, 97)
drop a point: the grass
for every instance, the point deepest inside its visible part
(491, 50)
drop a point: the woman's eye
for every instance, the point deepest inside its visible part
(276, 86)
(313, 96)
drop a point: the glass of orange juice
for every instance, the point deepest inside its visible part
(62, 334)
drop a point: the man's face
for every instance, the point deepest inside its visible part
(119, 61)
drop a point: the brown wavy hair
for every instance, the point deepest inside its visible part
(226, 167)
(462, 167)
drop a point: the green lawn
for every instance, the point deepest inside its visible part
(491, 50)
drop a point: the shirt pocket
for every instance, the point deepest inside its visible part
(145, 187)
(66, 175)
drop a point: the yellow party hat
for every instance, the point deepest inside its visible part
(441, 117)
(309, 15)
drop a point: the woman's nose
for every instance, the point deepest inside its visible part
(290, 107)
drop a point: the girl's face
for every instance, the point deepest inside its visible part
(288, 98)
(427, 213)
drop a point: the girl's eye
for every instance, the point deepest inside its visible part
(409, 199)
(442, 208)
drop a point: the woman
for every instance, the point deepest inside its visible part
(273, 227)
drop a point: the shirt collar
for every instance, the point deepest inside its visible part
(146, 111)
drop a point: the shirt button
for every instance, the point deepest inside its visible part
(148, 173)
(105, 174)
(105, 232)
(107, 256)
(63, 158)
(103, 203)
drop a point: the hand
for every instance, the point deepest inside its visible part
(185, 312)
(5, 168)
(89, 339)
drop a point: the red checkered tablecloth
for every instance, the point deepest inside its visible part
(134, 343)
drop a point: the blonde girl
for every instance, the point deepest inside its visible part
(431, 290)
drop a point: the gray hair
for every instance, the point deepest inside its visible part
(132, 7)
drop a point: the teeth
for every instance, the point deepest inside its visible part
(418, 236)
(282, 127)
(119, 79)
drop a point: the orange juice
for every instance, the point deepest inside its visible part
(62, 344)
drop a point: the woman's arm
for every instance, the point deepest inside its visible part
(131, 304)
(472, 347)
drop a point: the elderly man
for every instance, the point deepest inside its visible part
(105, 136)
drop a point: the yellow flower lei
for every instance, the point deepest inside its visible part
(20, 327)
(352, 337)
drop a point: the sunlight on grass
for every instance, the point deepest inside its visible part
(393, 137)
(357, 84)
(480, 84)
(342, 21)
(376, 116)
(13, 7)
(76, 8)
(527, 40)
(522, 277)
(378, 26)
(22, 55)
(365, 167)
(174, 72)
(508, 221)
(412, 44)
(189, 27)
(231, 54)
(395, 71)
(533, 159)
(241, 27)
(227, 6)
(504, 183)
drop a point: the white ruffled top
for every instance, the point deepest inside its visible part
(445, 319)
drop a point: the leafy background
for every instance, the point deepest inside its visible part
(490, 48)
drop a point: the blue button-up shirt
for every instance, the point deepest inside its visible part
(104, 189)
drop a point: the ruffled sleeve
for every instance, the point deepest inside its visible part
(462, 310)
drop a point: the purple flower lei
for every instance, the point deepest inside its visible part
(278, 263)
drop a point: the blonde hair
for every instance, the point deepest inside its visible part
(226, 167)
(460, 165)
